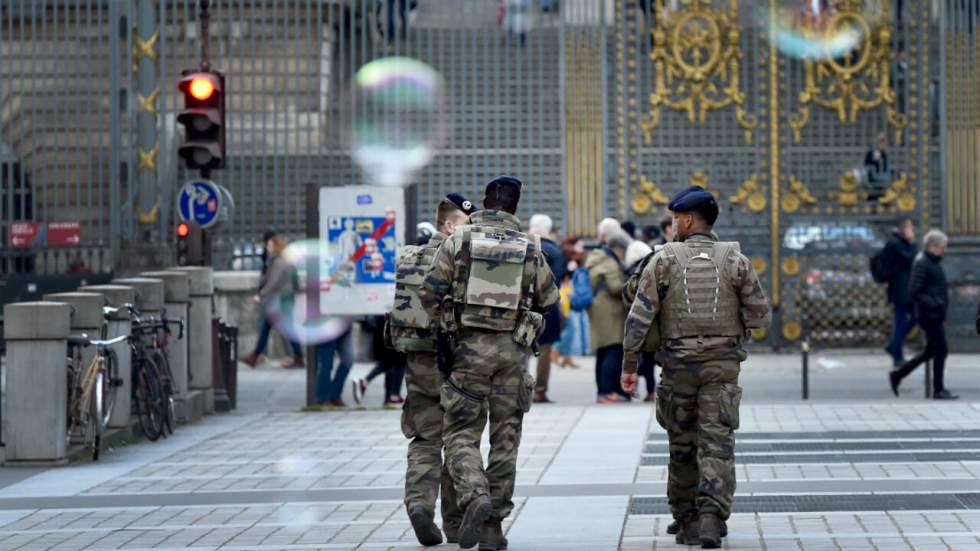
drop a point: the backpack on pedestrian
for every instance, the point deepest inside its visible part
(880, 271)
(651, 343)
(582, 295)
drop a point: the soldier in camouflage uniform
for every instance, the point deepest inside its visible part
(498, 285)
(412, 331)
(707, 297)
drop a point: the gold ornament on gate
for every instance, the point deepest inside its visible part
(792, 331)
(900, 193)
(856, 81)
(797, 196)
(697, 57)
(646, 196)
(750, 194)
(791, 266)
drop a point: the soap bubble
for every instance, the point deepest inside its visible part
(296, 310)
(397, 118)
(825, 29)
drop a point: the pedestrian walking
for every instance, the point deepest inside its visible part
(707, 297)
(413, 332)
(927, 288)
(499, 286)
(388, 362)
(277, 286)
(607, 312)
(330, 381)
(575, 334)
(897, 257)
(638, 255)
(540, 225)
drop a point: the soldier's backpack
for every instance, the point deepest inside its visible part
(701, 299)
(493, 290)
(409, 325)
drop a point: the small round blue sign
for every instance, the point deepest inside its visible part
(199, 201)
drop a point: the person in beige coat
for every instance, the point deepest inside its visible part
(607, 313)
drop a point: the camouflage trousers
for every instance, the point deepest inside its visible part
(489, 378)
(698, 405)
(422, 423)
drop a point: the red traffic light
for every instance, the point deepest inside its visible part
(201, 88)
(183, 229)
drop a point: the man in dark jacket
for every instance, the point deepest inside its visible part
(898, 256)
(541, 225)
(927, 288)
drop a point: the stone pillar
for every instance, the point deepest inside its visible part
(200, 352)
(119, 324)
(86, 317)
(176, 296)
(36, 410)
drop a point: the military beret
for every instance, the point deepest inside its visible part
(461, 203)
(503, 181)
(689, 199)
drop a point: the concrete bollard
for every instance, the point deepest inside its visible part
(200, 337)
(119, 324)
(176, 296)
(36, 410)
(86, 317)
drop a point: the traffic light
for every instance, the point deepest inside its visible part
(203, 118)
(192, 249)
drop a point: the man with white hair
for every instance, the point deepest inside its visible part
(606, 228)
(542, 226)
(927, 288)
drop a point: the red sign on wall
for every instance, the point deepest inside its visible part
(64, 234)
(24, 234)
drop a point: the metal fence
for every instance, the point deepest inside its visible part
(583, 99)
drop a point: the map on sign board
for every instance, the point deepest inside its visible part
(362, 249)
(361, 227)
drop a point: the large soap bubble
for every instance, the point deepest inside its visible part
(295, 309)
(824, 29)
(398, 119)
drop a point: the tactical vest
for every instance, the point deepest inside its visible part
(411, 328)
(702, 299)
(495, 287)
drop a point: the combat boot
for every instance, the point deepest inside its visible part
(426, 530)
(451, 531)
(477, 512)
(687, 532)
(674, 526)
(492, 538)
(709, 530)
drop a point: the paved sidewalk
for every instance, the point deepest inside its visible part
(875, 473)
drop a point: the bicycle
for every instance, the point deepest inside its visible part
(91, 391)
(153, 383)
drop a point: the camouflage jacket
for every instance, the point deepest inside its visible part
(442, 277)
(652, 289)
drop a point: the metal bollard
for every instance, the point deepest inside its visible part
(805, 347)
(927, 368)
(36, 421)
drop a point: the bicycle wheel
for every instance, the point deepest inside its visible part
(110, 384)
(146, 394)
(96, 415)
(169, 389)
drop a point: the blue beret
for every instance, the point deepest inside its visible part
(503, 181)
(689, 199)
(461, 203)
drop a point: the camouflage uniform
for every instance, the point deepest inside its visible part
(411, 332)
(698, 399)
(490, 368)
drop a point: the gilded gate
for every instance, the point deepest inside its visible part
(782, 143)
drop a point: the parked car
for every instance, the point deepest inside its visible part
(837, 299)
